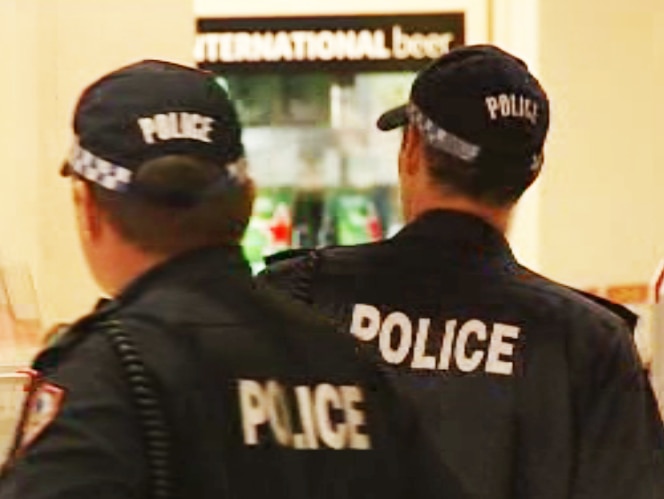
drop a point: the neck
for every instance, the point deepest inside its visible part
(134, 264)
(428, 200)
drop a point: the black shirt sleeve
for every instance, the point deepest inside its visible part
(615, 422)
(292, 276)
(93, 447)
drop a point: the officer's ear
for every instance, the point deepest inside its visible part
(88, 215)
(410, 154)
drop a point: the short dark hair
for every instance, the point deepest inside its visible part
(500, 185)
(153, 225)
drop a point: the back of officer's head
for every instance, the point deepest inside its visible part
(480, 119)
(158, 147)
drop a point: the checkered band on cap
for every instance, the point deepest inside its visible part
(98, 170)
(445, 141)
(442, 139)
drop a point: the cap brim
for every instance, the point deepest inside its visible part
(394, 118)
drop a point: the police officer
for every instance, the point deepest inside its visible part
(189, 382)
(528, 388)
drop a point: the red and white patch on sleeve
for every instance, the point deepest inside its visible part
(43, 406)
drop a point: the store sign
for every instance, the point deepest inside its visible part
(359, 43)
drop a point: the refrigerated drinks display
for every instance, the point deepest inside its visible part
(271, 226)
(326, 175)
(308, 91)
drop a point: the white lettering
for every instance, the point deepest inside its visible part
(469, 363)
(416, 49)
(463, 346)
(306, 440)
(517, 109)
(354, 45)
(326, 45)
(399, 43)
(419, 45)
(205, 129)
(201, 48)
(436, 44)
(278, 413)
(187, 124)
(366, 322)
(252, 408)
(420, 359)
(346, 43)
(148, 129)
(242, 46)
(326, 414)
(352, 396)
(379, 49)
(446, 349)
(162, 124)
(176, 126)
(393, 321)
(327, 399)
(258, 47)
(312, 46)
(208, 50)
(226, 46)
(532, 114)
(504, 103)
(269, 52)
(282, 47)
(511, 106)
(492, 106)
(299, 44)
(498, 347)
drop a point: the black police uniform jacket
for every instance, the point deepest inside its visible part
(233, 394)
(527, 388)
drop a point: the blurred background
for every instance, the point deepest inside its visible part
(309, 97)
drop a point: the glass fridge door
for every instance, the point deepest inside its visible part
(325, 174)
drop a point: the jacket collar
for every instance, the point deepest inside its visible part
(190, 268)
(457, 232)
(200, 265)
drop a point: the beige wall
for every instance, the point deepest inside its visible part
(19, 149)
(602, 188)
(514, 27)
(51, 49)
(658, 332)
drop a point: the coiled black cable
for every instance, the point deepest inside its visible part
(157, 437)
